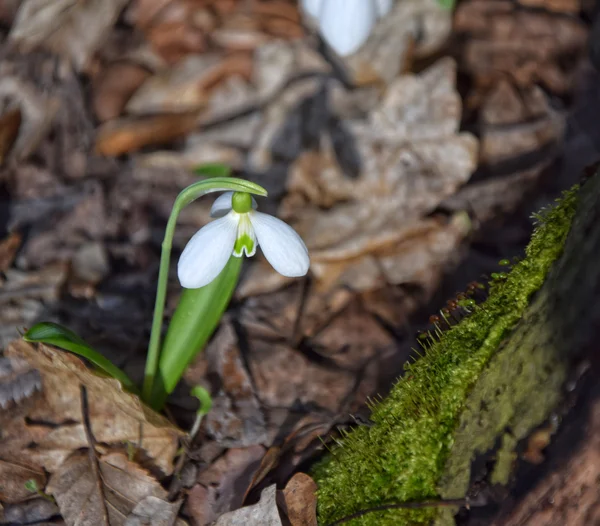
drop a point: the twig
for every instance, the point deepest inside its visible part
(410, 505)
(85, 412)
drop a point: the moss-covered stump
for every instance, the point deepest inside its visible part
(488, 380)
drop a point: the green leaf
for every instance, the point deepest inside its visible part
(204, 398)
(194, 321)
(447, 4)
(213, 170)
(59, 336)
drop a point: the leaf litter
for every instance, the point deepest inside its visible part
(375, 159)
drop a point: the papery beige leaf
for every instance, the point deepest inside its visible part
(124, 486)
(412, 26)
(263, 513)
(52, 420)
(152, 511)
(72, 28)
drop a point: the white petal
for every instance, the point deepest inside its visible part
(346, 24)
(222, 205)
(313, 7)
(383, 7)
(281, 245)
(207, 253)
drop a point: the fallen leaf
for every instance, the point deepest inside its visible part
(418, 27)
(39, 511)
(301, 500)
(13, 479)
(263, 513)
(124, 486)
(504, 40)
(18, 380)
(268, 462)
(221, 486)
(127, 135)
(36, 110)
(188, 85)
(67, 27)
(8, 250)
(10, 122)
(152, 511)
(236, 419)
(114, 87)
(571, 7)
(52, 419)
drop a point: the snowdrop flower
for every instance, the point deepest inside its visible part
(346, 24)
(239, 229)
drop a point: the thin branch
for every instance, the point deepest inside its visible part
(85, 412)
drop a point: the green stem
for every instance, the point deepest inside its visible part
(195, 319)
(186, 196)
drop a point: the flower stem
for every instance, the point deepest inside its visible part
(185, 197)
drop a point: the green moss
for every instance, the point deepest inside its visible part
(432, 424)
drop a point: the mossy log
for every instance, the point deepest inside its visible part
(489, 380)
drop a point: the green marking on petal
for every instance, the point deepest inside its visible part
(244, 243)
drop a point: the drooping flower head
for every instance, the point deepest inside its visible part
(346, 24)
(239, 229)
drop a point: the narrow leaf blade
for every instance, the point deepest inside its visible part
(54, 334)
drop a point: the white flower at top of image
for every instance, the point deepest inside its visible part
(240, 229)
(346, 24)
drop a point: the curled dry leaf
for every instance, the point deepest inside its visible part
(412, 158)
(128, 135)
(69, 28)
(52, 420)
(263, 513)
(301, 500)
(125, 486)
(572, 7)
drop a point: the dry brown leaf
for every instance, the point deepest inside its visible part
(10, 122)
(68, 27)
(503, 40)
(127, 135)
(124, 486)
(18, 381)
(38, 511)
(114, 87)
(117, 417)
(13, 477)
(268, 462)
(188, 85)
(152, 511)
(263, 513)
(301, 500)
(236, 419)
(220, 487)
(36, 110)
(8, 250)
(571, 7)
